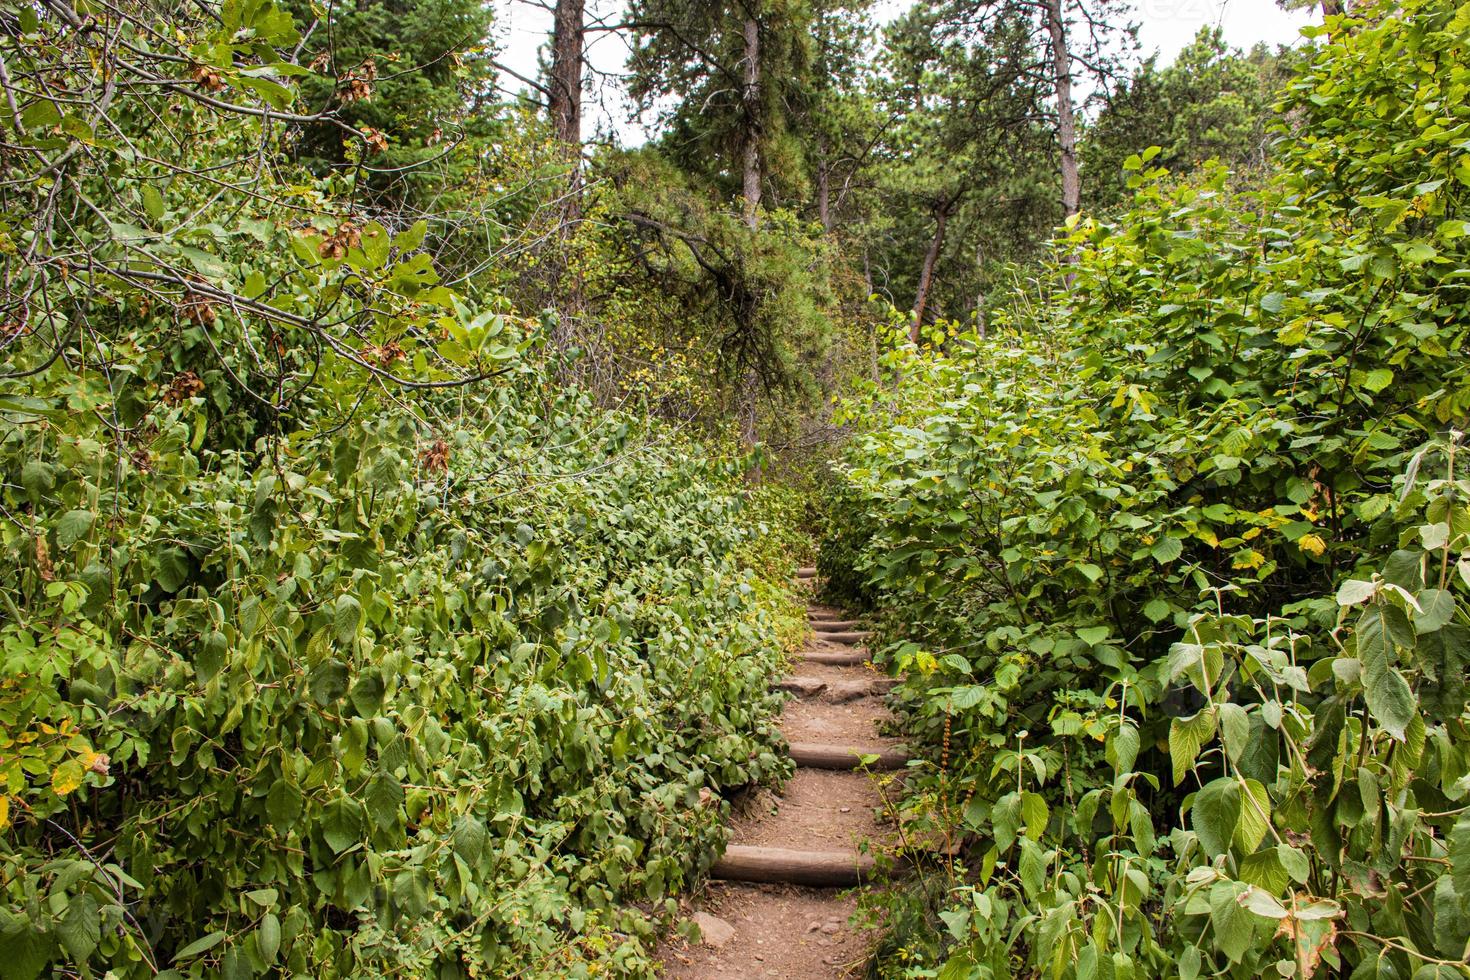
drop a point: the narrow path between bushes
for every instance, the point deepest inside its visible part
(783, 892)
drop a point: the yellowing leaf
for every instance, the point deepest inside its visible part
(67, 777)
(1249, 558)
(1312, 544)
(4, 812)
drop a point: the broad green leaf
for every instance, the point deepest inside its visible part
(72, 527)
(346, 617)
(1122, 748)
(1166, 550)
(1387, 693)
(384, 798)
(469, 839)
(1255, 816)
(283, 804)
(1438, 609)
(1233, 925)
(80, 929)
(1235, 729)
(1215, 815)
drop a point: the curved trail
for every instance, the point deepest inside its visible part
(781, 898)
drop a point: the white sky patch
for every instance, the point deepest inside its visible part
(523, 31)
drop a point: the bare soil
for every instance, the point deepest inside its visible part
(781, 930)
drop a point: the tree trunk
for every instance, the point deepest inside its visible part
(565, 92)
(926, 274)
(980, 324)
(566, 72)
(751, 164)
(824, 189)
(1061, 63)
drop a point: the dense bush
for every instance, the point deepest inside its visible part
(337, 639)
(353, 707)
(1179, 564)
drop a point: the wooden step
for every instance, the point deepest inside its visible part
(837, 658)
(780, 865)
(836, 692)
(833, 625)
(802, 687)
(846, 636)
(807, 572)
(815, 755)
(822, 615)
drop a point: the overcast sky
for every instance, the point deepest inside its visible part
(1165, 27)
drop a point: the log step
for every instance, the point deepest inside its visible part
(802, 687)
(780, 865)
(847, 636)
(807, 572)
(814, 755)
(833, 625)
(836, 692)
(836, 658)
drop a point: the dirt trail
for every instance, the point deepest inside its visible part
(783, 930)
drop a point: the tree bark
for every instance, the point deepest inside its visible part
(926, 273)
(567, 39)
(751, 162)
(565, 103)
(824, 189)
(1061, 63)
(815, 869)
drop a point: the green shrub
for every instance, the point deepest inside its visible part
(1175, 567)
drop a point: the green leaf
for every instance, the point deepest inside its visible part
(367, 692)
(173, 568)
(1255, 816)
(328, 682)
(1235, 729)
(1295, 862)
(470, 836)
(1166, 550)
(72, 527)
(1122, 748)
(268, 937)
(266, 898)
(38, 478)
(1235, 928)
(1387, 693)
(1378, 379)
(1186, 737)
(1459, 852)
(1259, 902)
(1438, 609)
(384, 798)
(283, 804)
(1263, 869)
(1451, 924)
(1032, 868)
(1093, 635)
(342, 823)
(24, 951)
(81, 928)
(346, 616)
(202, 945)
(1354, 591)
(1215, 814)
(152, 202)
(1035, 814)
